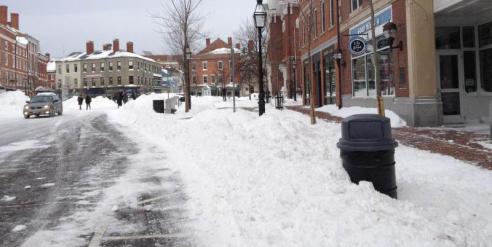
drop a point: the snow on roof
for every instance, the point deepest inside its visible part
(51, 66)
(224, 51)
(22, 40)
(102, 54)
(157, 75)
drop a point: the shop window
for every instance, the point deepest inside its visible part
(359, 76)
(330, 77)
(468, 37)
(485, 34)
(469, 62)
(486, 69)
(448, 38)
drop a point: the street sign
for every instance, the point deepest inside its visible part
(357, 46)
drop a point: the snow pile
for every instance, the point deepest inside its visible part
(278, 181)
(11, 103)
(396, 121)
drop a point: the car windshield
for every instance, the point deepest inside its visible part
(41, 99)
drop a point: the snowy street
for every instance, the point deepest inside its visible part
(211, 177)
(54, 174)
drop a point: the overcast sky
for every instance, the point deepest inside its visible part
(63, 26)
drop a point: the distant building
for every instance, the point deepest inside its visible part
(211, 68)
(168, 61)
(20, 56)
(106, 72)
(51, 73)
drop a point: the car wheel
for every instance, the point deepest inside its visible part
(26, 116)
(37, 115)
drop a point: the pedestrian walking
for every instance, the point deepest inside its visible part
(125, 98)
(119, 99)
(88, 100)
(80, 100)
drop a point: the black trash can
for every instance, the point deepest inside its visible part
(279, 100)
(159, 106)
(367, 150)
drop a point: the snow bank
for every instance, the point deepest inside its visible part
(396, 121)
(11, 103)
(278, 181)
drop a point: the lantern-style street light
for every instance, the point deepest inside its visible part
(187, 78)
(260, 22)
(389, 30)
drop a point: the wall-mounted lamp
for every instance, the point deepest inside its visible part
(389, 30)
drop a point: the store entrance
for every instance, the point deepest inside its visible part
(449, 78)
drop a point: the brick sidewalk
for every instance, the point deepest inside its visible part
(461, 145)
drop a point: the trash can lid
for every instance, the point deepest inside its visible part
(366, 132)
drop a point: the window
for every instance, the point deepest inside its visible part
(220, 65)
(102, 81)
(213, 79)
(363, 75)
(67, 68)
(130, 65)
(110, 80)
(130, 79)
(485, 34)
(448, 38)
(323, 16)
(93, 82)
(85, 82)
(84, 68)
(315, 21)
(101, 66)
(486, 69)
(356, 4)
(119, 80)
(110, 66)
(205, 65)
(139, 80)
(205, 79)
(75, 68)
(194, 79)
(332, 13)
(75, 82)
(93, 69)
(193, 66)
(470, 66)
(468, 36)
(59, 69)
(118, 65)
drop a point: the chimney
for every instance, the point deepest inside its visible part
(107, 47)
(207, 42)
(116, 45)
(238, 46)
(89, 47)
(3, 15)
(229, 41)
(129, 47)
(14, 20)
(251, 45)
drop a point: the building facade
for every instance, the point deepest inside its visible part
(212, 68)
(435, 69)
(19, 56)
(107, 71)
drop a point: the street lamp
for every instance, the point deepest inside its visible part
(260, 21)
(188, 94)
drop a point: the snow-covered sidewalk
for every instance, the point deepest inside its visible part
(278, 181)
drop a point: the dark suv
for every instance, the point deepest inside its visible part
(44, 104)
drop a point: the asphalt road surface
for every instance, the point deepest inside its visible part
(54, 174)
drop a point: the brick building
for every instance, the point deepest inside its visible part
(211, 68)
(437, 71)
(19, 55)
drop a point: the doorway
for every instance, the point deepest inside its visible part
(450, 81)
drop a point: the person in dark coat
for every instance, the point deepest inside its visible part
(125, 98)
(80, 100)
(119, 99)
(88, 100)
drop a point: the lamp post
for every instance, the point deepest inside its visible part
(293, 63)
(260, 21)
(187, 79)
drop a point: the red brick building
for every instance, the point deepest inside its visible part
(19, 55)
(211, 68)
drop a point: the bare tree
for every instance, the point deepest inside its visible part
(181, 28)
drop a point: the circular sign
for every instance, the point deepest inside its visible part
(358, 46)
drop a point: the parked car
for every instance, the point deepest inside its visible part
(43, 104)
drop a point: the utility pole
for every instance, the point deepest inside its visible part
(311, 65)
(375, 61)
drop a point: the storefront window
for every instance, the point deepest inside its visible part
(468, 37)
(485, 34)
(330, 77)
(364, 79)
(470, 71)
(448, 38)
(486, 69)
